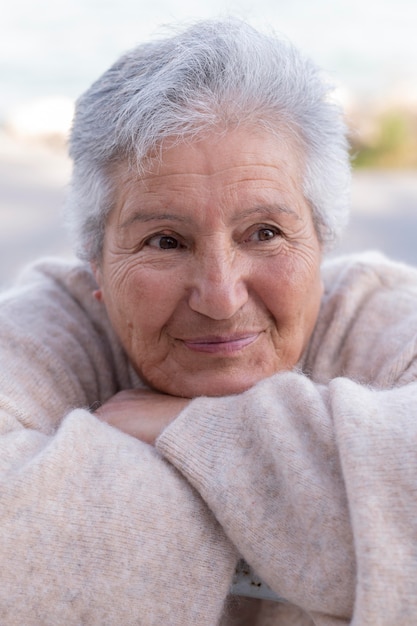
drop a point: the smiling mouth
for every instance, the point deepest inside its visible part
(221, 345)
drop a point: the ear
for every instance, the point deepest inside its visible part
(97, 293)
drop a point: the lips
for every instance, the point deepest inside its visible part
(221, 344)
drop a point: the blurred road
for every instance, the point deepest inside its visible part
(33, 180)
(384, 214)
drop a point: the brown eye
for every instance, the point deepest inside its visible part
(168, 243)
(163, 242)
(265, 234)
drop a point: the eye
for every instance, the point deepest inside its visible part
(163, 242)
(265, 233)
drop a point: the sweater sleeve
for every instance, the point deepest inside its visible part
(95, 527)
(316, 487)
(313, 475)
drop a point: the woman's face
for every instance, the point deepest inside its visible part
(210, 269)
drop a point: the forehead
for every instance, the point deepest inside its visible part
(238, 166)
(221, 151)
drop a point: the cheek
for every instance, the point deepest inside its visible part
(140, 303)
(292, 290)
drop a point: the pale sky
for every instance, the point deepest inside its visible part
(51, 48)
(58, 47)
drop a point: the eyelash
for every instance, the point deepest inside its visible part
(162, 236)
(276, 232)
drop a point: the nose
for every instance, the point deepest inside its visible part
(219, 287)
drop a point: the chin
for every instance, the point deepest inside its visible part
(219, 386)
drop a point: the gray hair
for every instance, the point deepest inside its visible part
(215, 74)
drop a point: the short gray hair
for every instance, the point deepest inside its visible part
(216, 73)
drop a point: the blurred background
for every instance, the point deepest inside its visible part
(52, 50)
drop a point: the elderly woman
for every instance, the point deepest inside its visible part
(202, 387)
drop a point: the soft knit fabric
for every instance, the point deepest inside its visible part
(311, 475)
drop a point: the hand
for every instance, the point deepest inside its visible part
(141, 414)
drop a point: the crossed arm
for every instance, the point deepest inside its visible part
(314, 485)
(141, 413)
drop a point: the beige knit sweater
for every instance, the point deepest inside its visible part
(311, 475)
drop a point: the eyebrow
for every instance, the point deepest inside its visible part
(146, 216)
(269, 209)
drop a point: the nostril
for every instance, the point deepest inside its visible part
(218, 299)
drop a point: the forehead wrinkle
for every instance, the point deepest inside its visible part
(246, 173)
(170, 167)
